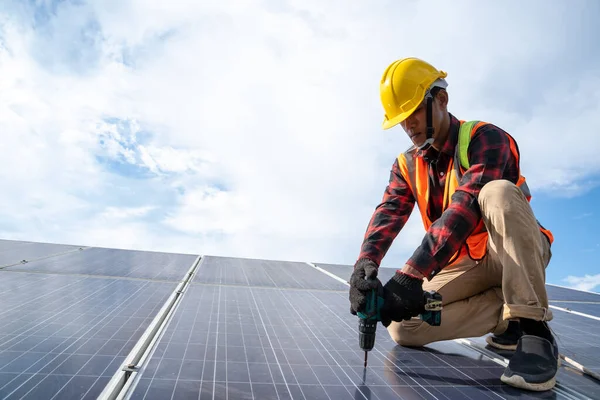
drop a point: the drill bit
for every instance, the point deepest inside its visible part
(366, 359)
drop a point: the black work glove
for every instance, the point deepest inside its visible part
(359, 286)
(404, 299)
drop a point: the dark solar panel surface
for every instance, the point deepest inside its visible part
(8, 244)
(568, 377)
(579, 338)
(265, 343)
(344, 271)
(118, 263)
(13, 252)
(586, 308)
(558, 293)
(250, 329)
(66, 335)
(260, 343)
(250, 272)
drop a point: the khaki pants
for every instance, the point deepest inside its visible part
(480, 297)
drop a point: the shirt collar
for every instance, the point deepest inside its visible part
(452, 139)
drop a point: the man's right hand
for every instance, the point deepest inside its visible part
(359, 285)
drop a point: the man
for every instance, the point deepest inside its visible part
(483, 251)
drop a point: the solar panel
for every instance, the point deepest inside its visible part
(251, 272)
(271, 343)
(244, 328)
(264, 343)
(117, 263)
(344, 271)
(557, 293)
(579, 338)
(582, 307)
(14, 252)
(66, 335)
(9, 244)
(568, 377)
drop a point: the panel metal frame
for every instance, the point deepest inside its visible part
(122, 382)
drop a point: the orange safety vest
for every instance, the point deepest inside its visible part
(415, 172)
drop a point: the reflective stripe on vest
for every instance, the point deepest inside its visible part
(466, 132)
(415, 172)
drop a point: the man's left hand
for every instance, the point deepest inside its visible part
(403, 298)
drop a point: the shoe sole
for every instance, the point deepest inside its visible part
(511, 347)
(520, 383)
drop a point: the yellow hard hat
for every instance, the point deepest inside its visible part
(403, 87)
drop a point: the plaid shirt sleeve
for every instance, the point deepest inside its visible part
(389, 217)
(489, 157)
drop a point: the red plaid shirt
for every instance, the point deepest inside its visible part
(490, 158)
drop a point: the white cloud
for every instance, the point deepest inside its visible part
(175, 160)
(124, 213)
(257, 122)
(587, 282)
(208, 209)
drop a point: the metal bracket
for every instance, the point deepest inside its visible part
(130, 368)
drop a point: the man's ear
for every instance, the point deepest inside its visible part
(442, 99)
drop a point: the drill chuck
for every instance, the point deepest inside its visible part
(366, 333)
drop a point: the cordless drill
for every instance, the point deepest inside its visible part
(367, 320)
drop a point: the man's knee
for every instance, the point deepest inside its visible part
(498, 193)
(408, 333)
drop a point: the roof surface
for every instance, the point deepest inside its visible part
(82, 322)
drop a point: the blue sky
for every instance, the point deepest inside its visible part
(253, 128)
(576, 251)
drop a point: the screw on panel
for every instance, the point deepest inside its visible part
(130, 368)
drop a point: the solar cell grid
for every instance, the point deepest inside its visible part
(578, 338)
(66, 336)
(586, 308)
(269, 343)
(250, 272)
(8, 244)
(557, 293)
(12, 252)
(567, 376)
(117, 263)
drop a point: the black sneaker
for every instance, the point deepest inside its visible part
(507, 340)
(534, 364)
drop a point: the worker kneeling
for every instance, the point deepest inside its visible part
(484, 251)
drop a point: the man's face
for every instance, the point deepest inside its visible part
(415, 125)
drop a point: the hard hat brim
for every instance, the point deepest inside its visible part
(390, 123)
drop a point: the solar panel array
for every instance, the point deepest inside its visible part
(252, 329)
(263, 343)
(14, 252)
(115, 263)
(267, 273)
(65, 328)
(238, 329)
